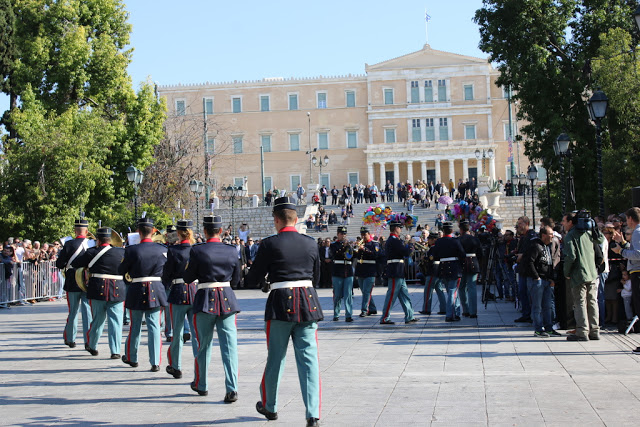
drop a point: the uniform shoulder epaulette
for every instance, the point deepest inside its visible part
(312, 238)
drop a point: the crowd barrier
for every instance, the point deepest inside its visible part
(31, 281)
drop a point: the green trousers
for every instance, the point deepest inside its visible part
(204, 324)
(176, 315)
(101, 311)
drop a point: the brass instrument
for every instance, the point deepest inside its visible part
(82, 278)
(158, 237)
(116, 239)
(420, 246)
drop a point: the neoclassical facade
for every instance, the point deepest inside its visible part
(419, 116)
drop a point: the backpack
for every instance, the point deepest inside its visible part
(597, 250)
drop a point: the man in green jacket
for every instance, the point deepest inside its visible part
(581, 274)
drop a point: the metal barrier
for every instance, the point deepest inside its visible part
(31, 281)
(413, 266)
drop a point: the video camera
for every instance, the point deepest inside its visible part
(583, 221)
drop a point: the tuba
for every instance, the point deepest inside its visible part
(116, 239)
(82, 278)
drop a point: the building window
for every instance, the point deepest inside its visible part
(322, 99)
(444, 129)
(324, 180)
(237, 145)
(181, 108)
(264, 102)
(389, 135)
(351, 98)
(430, 133)
(505, 92)
(415, 92)
(442, 90)
(293, 101)
(265, 140)
(428, 91)
(353, 178)
(352, 139)
(268, 183)
(323, 140)
(468, 92)
(469, 131)
(210, 145)
(238, 181)
(294, 141)
(416, 133)
(388, 96)
(208, 105)
(236, 104)
(294, 180)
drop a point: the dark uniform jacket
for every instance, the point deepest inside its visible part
(367, 252)
(396, 249)
(108, 263)
(341, 251)
(472, 246)
(177, 258)
(145, 259)
(214, 261)
(288, 256)
(448, 247)
(429, 266)
(64, 256)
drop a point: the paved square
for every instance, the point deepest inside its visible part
(484, 372)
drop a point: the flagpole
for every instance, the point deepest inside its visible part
(426, 24)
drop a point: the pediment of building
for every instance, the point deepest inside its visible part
(425, 58)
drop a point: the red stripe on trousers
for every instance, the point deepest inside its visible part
(393, 291)
(319, 379)
(69, 312)
(262, 385)
(195, 328)
(129, 336)
(170, 320)
(89, 331)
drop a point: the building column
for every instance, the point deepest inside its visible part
(492, 168)
(465, 169)
(370, 177)
(410, 171)
(396, 172)
(479, 168)
(438, 176)
(383, 179)
(423, 170)
(452, 170)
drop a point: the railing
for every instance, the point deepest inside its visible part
(31, 281)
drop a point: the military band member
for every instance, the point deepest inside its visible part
(146, 295)
(397, 251)
(216, 267)
(342, 276)
(451, 255)
(76, 297)
(105, 291)
(468, 292)
(180, 295)
(293, 309)
(366, 270)
(171, 238)
(429, 267)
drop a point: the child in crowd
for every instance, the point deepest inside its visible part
(625, 292)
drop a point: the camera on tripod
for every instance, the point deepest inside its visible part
(583, 221)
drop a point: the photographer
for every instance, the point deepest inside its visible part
(505, 277)
(526, 235)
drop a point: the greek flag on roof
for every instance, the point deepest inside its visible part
(427, 17)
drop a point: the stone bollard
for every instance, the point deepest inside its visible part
(255, 201)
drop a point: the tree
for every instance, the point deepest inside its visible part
(7, 46)
(544, 50)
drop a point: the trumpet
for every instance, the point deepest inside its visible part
(420, 246)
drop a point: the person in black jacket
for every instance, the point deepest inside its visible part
(537, 266)
(468, 290)
(451, 255)
(525, 236)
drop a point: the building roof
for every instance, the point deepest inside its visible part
(425, 58)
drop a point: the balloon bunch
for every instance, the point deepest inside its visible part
(461, 210)
(408, 221)
(486, 220)
(377, 216)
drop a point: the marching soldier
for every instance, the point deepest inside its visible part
(171, 238)
(76, 297)
(216, 267)
(342, 276)
(451, 255)
(366, 270)
(429, 267)
(105, 290)
(146, 296)
(397, 251)
(292, 311)
(180, 295)
(468, 292)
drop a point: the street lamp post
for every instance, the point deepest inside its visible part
(309, 152)
(196, 188)
(548, 190)
(485, 154)
(522, 179)
(324, 161)
(597, 105)
(561, 148)
(532, 173)
(230, 193)
(135, 176)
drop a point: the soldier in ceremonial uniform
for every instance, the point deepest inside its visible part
(146, 295)
(293, 309)
(105, 291)
(76, 297)
(342, 276)
(397, 251)
(180, 295)
(429, 267)
(468, 292)
(171, 238)
(451, 255)
(217, 268)
(366, 270)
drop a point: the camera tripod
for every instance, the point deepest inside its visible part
(494, 266)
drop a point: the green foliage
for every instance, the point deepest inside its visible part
(7, 45)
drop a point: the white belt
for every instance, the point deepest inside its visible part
(292, 284)
(391, 261)
(209, 285)
(177, 281)
(366, 261)
(341, 261)
(106, 276)
(146, 279)
(449, 259)
(470, 255)
(436, 262)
